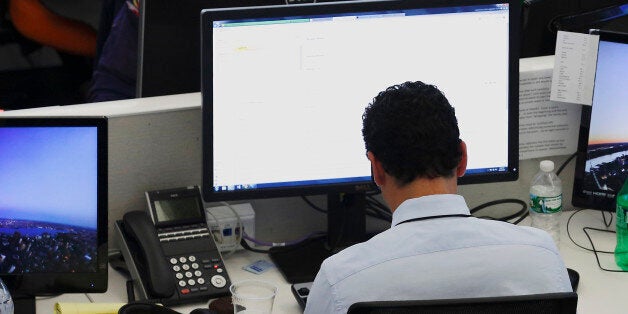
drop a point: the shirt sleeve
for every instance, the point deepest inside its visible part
(115, 73)
(320, 299)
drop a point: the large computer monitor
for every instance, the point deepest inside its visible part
(284, 89)
(602, 156)
(53, 207)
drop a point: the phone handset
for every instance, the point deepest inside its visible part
(140, 228)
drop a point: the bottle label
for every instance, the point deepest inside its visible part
(546, 204)
(621, 216)
(622, 210)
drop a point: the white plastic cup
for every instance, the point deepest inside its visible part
(253, 297)
(6, 302)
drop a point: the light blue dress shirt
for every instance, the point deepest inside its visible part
(439, 258)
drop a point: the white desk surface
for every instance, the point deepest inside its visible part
(599, 291)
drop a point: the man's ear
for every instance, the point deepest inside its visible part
(377, 170)
(462, 166)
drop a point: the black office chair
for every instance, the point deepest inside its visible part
(551, 303)
(141, 307)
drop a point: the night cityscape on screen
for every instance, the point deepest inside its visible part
(606, 167)
(48, 199)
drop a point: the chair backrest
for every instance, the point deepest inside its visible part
(551, 303)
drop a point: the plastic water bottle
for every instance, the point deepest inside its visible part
(546, 200)
(621, 250)
(6, 302)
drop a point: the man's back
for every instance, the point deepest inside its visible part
(435, 258)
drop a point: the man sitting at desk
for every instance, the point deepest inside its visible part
(435, 249)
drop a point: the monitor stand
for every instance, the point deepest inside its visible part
(24, 304)
(346, 225)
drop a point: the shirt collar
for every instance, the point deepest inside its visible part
(431, 205)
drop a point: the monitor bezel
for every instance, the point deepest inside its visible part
(579, 198)
(207, 16)
(37, 284)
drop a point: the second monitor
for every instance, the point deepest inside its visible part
(284, 89)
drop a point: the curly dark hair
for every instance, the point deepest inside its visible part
(412, 129)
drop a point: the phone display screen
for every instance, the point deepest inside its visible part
(177, 209)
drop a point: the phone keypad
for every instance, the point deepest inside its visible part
(198, 272)
(193, 276)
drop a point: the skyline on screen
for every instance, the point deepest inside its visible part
(49, 174)
(609, 99)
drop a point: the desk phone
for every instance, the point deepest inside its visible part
(171, 255)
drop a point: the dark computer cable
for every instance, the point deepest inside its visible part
(521, 214)
(380, 210)
(377, 209)
(246, 246)
(316, 208)
(597, 258)
(374, 208)
(608, 223)
(342, 225)
(130, 291)
(287, 243)
(592, 249)
(565, 163)
(586, 230)
(243, 237)
(572, 239)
